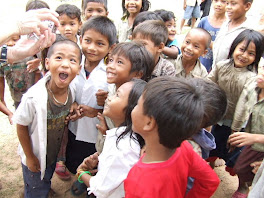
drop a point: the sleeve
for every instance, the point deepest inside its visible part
(242, 108)
(25, 112)
(213, 75)
(201, 23)
(206, 180)
(114, 172)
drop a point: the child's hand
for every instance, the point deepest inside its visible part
(89, 163)
(101, 96)
(33, 164)
(102, 127)
(33, 64)
(255, 166)
(88, 111)
(240, 139)
(10, 116)
(74, 113)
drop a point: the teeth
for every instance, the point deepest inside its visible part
(110, 75)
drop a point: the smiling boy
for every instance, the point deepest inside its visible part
(194, 45)
(41, 115)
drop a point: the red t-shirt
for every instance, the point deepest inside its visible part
(169, 178)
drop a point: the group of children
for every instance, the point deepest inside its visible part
(128, 108)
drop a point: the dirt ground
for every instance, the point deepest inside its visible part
(11, 173)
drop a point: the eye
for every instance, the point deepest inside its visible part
(58, 57)
(100, 11)
(62, 24)
(187, 42)
(87, 40)
(101, 44)
(111, 60)
(196, 46)
(242, 49)
(252, 54)
(119, 62)
(72, 24)
(73, 60)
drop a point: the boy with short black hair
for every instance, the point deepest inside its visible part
(40, 117)
(154, 35)
(236, 11)
(98, 36)
(194, 45)
(164, 131)
(94, 8)
(70, 21)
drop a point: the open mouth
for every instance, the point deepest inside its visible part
(110, 75)
(63, 76)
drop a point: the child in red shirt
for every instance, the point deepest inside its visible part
(169, 160)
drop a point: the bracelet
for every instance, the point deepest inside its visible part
(79, 178)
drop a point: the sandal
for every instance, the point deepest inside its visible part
(78, 188)
(62, 172)
(239, 195)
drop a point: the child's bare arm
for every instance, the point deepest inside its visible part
(240, 139)
(88, 111)
(32, 161)
(32, 65)
(2, 90)
(101, 96)
(171, 52)
(6, 111)
(102, 126)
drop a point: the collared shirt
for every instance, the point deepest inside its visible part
(115, 162)
(232, 81)
(32, 112)
(85, 128)
(251, 109)
(163, 68)
(198, 70)
(193, 2)
(123, 30)
(225, 38)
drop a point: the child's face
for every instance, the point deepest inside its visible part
(171, 29)
(63, 64)
(115, 106)
(133, 6)
(139, 119)
(12, 41)
(260, 78)
(118, 70)
(219, 6)
(95, 46)
(149, 45)
(236, 9)
(193, 46)
(242, 56)
(94, 9)
(69, 27)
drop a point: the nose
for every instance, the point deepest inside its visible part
(67, 27)
(65, 63)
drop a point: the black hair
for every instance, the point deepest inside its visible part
(139, 57)
(176, 105)
(165, 15)
(103, 25)
(155, 30)
(249, 35)
(248, 1)
(134, 95)
(206, 34)
(144, 16)
(36, 4)
(145, 7)
(71, 11)
(214, 100)
(85, 2)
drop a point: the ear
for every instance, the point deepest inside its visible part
(205, 52)
(47, 63)
(112, 47)
(150, 124)
(247, 6)
(107, 13)
(79, 70)
(161, 47)
(138, 75)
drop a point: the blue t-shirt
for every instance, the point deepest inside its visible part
(207, 60)
(174, 43)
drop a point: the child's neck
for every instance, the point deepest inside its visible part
(188, 65)
(236, 22)
(60, 94)
(131, 19)
(261, 95)
(156, 152)
(89, 66)
(217, 19)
